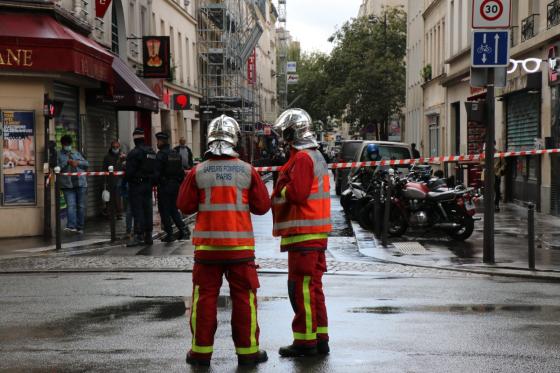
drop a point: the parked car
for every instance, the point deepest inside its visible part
(347, 153)
(387, 150)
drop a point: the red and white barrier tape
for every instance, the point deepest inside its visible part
(445, 159)
(399, 162)
(92, 173)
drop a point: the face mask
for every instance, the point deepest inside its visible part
(68, 148)
(116, 151)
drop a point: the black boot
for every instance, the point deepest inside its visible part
(197, 361)
(184, 234)
(148, 238)
(297, 351)
(252, 359)
(168, 238)
(323, 347)
(136, 240)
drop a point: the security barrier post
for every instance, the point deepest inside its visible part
(58, 232)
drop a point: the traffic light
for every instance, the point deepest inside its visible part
(51, 108)
(181, 101)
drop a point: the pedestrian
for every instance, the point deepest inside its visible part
(499, 171)
(141, 163)
(115, 157)
(74, 188)
(186, 154)
(415, 152)
(301, 216)
(170, 176)
(224, 190)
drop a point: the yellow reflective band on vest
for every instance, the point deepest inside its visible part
(195, 348)
(322, 330)
(254, 348)
(223, 248)
(302, 238)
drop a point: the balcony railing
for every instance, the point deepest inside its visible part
(553, 14)
(528, 27)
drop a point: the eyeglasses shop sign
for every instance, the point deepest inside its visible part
(293, 78)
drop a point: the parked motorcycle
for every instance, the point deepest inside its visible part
(354, 197)
(414, 204)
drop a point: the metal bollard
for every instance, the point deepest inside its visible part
(113, 203)
(377, 216)
(58, 230)
(531, 233)
(387, 212)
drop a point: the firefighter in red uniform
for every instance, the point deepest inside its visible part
(224, 191)
(301, 214)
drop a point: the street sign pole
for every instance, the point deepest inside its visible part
(489, 174)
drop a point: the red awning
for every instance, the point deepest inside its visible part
(37, 42)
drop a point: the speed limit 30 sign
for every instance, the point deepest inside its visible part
(491, 14)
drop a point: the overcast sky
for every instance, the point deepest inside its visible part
(312, 22)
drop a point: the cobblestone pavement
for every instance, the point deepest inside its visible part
(185, 263)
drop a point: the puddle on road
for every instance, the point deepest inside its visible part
(472, 309)
(105, 320)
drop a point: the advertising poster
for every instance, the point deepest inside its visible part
(395, 130)
(18, 158)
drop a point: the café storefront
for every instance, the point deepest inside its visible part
(44, 54)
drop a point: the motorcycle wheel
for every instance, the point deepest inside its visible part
(466, 229)
(365, 217)
(345, 201)
(397, 223)
(356, 207)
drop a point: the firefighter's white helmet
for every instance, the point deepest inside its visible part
(223, 128)
(295, 125)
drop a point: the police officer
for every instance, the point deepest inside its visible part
(301, 216)
(140, 174)
(225, 191)
(170, 176)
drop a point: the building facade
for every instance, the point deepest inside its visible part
(375, 7)
(526, 113)
(414, 111)
(97, 78)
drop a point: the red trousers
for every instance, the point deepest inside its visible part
(243, 284)
(305, 287)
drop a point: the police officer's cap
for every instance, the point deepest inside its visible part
(138, 133)
(162, 136)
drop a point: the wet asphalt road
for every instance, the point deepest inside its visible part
(378, 323)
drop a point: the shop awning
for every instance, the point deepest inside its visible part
(130, 92)
(37, 42)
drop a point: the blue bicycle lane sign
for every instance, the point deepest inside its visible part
(490, 48)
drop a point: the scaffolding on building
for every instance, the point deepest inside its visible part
(228, 32)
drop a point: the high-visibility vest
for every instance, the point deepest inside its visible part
(314, 215)
(223, 217)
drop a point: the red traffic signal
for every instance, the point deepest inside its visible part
(181, 101)
(52, 108)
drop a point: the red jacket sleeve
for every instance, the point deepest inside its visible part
(187, 200)
(259, 201)
(300, 181)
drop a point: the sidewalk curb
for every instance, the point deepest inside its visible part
(491, 271)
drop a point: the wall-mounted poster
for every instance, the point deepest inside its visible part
(18, 158)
